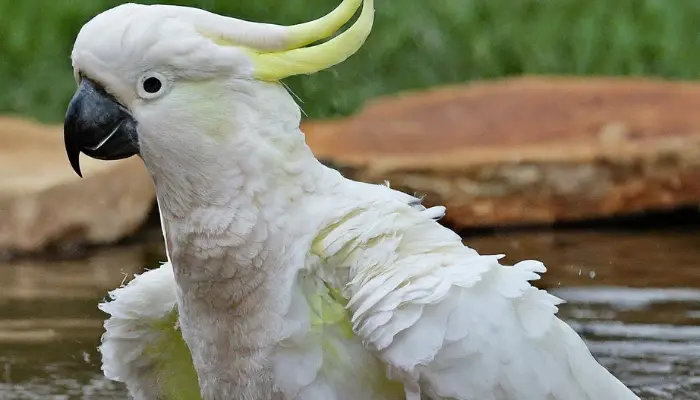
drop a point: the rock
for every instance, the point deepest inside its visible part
(43, 203)
(528, 150)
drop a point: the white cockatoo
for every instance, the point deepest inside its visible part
(284, 279)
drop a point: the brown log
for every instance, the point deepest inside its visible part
(44, 203)
(533, 150)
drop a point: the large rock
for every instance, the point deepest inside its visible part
(528, 150)
(44, 203)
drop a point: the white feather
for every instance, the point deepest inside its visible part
(459, 324)
(135, 310)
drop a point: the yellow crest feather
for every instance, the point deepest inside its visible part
(277, 65)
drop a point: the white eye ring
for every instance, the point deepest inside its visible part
(152, 85)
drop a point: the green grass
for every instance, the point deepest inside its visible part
(415, 44)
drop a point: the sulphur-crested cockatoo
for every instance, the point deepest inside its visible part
(284, 279)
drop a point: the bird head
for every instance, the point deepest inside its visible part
(165, 78)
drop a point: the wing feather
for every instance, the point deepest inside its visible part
(456, 324)
(142, 345)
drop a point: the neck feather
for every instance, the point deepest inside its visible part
(227, 186)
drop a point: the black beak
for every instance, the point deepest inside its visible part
(99, 126)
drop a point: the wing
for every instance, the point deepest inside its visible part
(142, 345)
(451, 323)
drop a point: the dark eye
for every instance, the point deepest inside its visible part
(152, 85)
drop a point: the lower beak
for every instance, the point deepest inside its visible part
(97, 125)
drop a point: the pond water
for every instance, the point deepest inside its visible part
(635, 297)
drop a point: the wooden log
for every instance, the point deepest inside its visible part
(532, 150)
(43, 203)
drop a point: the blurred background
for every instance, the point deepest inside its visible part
(565, 131)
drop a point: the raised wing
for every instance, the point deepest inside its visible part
(142, 345)
(451, 323)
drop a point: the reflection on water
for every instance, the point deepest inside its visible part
(634, 297)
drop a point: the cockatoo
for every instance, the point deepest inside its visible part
(285, 280)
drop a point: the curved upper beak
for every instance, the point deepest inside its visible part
(97, 125)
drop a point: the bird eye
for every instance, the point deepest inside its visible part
(152, 85)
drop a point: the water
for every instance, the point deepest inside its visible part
(634, 297)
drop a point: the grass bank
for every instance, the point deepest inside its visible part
(415, 44)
